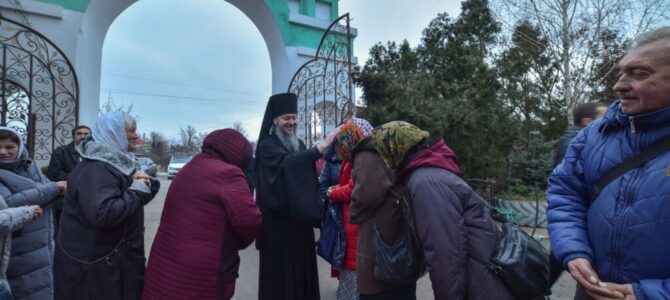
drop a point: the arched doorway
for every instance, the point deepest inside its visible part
(274, 20)
(200, 66)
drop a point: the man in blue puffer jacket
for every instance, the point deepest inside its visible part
(617, 246)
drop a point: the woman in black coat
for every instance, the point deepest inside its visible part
(100, 247)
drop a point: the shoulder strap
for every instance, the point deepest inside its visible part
(492, 210)
(631, 163)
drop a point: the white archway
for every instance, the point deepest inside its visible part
(100, 15)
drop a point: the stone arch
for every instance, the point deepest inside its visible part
(99, 16)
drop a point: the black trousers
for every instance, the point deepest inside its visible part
(555, 269)
(407, 292)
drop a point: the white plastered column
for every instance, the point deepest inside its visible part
(97, 19)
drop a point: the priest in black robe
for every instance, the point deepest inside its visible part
(287, 193)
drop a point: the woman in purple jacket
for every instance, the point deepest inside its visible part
(450, 222)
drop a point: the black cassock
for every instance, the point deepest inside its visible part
(287, 194)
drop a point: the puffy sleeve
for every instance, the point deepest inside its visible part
(568, 203)
(42, 194)
(104, 202)
(14, 218)
(652, 289)
(342, 193)
(446, 258)
(242, 213)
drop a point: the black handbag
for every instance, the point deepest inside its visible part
(402, 262)
(520, 261)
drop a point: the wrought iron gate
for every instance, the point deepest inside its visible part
(323, 84)
(40, 92)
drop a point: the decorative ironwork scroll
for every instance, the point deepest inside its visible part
(40, 92)
(323, 84)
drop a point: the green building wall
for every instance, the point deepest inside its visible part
(295, 35)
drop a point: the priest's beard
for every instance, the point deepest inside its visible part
(289, 140)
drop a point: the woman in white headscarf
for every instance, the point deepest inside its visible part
(100, 246)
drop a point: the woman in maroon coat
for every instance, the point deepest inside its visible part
(209, 215)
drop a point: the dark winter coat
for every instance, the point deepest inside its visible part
(100, 249)
(29, 271)
(371, 203)
(453, 227)
(562, 145)
(330, 174)
(209, 214)
(63, 161)
(624, 232)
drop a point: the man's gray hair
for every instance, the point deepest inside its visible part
(650, 37)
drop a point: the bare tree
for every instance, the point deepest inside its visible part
(110, 106)
(199, 139)
(159, 144)
(574, 31)
(237, 125)
(188, 138)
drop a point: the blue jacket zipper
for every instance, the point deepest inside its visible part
(620, 222)
(621, 212)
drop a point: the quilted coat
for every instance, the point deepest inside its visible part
(209, 215)
(29, 270)
(11, 219)
(624, 231)
(453, 227)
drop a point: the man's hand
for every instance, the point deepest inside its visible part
(626, 289)
(329, 139)
(582, 271)
(329, 191)
(62, 186)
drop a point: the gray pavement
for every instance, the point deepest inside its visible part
(247, 283)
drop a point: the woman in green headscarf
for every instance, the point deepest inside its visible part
(449, 219)
(395, 139)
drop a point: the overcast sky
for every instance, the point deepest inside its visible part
(203, 63)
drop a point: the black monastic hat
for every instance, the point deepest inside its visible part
(279, 104)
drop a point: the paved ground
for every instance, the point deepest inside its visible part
(247, 283)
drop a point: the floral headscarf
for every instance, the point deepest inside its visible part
(364, 126)
(394, 139)
(346, 139)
